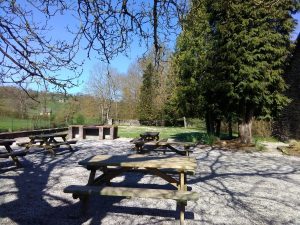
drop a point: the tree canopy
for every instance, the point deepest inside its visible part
(240, 62)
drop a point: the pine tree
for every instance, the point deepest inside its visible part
(145, 108)
(251, 48)
(230, 57)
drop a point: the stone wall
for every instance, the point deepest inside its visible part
(288, 124)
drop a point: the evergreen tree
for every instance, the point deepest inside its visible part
(145, 108)
(230, 57)
(250, 51)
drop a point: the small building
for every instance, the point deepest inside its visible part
(46, 112)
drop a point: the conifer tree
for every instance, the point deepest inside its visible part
(252, 43)
(145, 107)
(230, 58)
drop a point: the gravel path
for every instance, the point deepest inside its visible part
(235, 188)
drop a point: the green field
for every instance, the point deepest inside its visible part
(178, 133)
(14, 124)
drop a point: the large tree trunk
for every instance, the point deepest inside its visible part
(218, 128)
(245, 131)
(209, 123)
(230, 129)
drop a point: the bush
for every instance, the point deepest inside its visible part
(79, 119)
(262, 128)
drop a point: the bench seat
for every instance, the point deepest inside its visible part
(25, 144)
(15, 153)
(141, 170)
(181, 196)
(57, 144)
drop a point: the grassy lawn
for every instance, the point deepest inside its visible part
(178, 133)
(13, 124)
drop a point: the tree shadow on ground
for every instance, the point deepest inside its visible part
(190, 136)
(32, 196)
(218, 176)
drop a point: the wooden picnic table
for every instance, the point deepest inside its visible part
(163, 146)
(114, 165)
(150, 136)
(10, 153)
(48, 141)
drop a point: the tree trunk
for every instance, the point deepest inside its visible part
(218, 128)
(209, 124)
(230, 129)
(245, 131)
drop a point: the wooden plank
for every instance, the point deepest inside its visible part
(133, 192)
(180, 143)
(5, 142)
(15, 153)
(182, 163)
(142, 170)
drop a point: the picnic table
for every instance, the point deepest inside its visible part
(10, 153)
(48, 141)
(164, 146)
(150, 136)
(112, 166)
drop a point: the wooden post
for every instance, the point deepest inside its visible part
(181, 205)
(81, 133)
(184, 122)
(101, 133)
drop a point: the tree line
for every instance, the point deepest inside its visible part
(227, 67)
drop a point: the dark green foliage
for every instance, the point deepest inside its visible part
(79, 119)
(231, 56)
(145, 107)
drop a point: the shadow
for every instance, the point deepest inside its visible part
(190, 136)
(232, 184)
(37, 195)
(27, 202)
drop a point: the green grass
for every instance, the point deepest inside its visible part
(178, 133)
(14, 124)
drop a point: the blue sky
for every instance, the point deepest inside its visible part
(120, 62)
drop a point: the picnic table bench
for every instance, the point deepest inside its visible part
(10, 153)
(150, 136)
(48, 141)
(163, 145)
(113, 166)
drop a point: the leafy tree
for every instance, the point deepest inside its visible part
(194, 94)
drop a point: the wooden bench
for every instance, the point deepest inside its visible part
(139, 143)
(83, 191)
(15, 153)
(140, 170)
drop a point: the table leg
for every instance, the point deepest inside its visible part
(181, 205)
(84, 199)
(186, 148)
(14, 158)
(92, 177)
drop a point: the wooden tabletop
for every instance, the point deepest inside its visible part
(180, 143)
(6, 141)
(181, 163)
(38, 136)
(150, 134)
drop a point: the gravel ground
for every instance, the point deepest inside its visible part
(235, 188)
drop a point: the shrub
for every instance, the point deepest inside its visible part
(79, 119)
